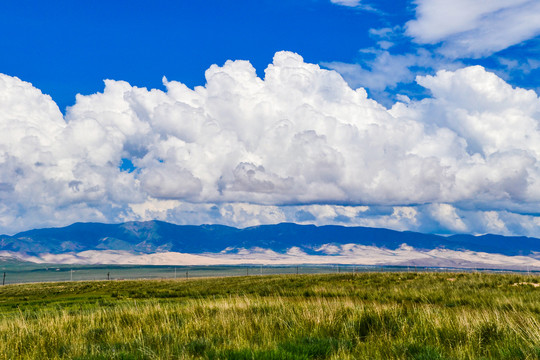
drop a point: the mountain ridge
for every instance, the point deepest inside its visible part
(159, 236)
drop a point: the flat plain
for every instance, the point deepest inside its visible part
(389, 315)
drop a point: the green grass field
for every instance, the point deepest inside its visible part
(337, 316)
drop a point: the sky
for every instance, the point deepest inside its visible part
(419, 115)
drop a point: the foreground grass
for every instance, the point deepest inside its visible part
(367, 316)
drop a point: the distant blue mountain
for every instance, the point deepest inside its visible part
(158, 236)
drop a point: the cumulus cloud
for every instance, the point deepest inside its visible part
(298, 145)
(470, 28)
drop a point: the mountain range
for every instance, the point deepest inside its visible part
(162, 242)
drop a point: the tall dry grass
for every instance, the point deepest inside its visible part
(371, 316)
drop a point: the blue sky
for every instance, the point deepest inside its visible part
(65, 48)
(440, 102)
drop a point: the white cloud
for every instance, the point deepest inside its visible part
(447, 216)
(351, 3)
(469, 28)
(385, 71)
(484, 110)
(382, 70)
(298, 144)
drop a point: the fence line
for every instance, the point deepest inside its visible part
(16, 275)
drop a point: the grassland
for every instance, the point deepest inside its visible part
(338, 316)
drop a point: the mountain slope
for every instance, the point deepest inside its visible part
(157, 236)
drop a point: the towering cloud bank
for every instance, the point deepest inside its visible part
(298, 145)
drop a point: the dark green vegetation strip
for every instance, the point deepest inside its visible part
(339, 316)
